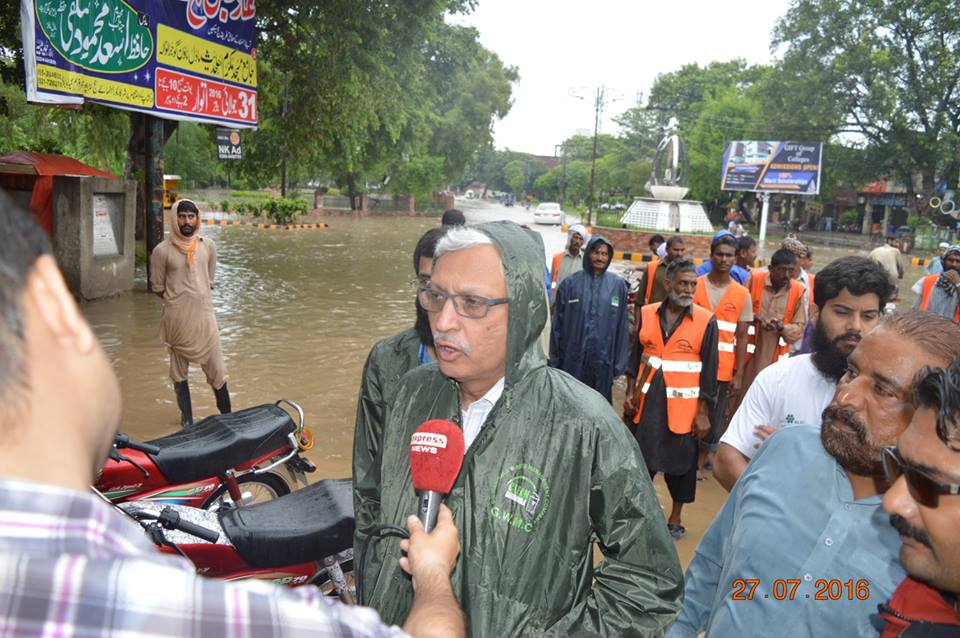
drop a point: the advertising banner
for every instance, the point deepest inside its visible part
(772, 167)
(228, 144)
(178, 59)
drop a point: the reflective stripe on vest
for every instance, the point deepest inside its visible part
(727, 313)
(678, 361)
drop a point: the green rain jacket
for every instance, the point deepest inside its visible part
(552, 470)
(388, 361)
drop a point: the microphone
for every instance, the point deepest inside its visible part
(436, 454)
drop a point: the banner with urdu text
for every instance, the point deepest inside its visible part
(178, 59)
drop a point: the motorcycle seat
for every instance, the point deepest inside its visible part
(309, 524)
(222, 441)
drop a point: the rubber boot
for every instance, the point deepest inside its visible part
(182, 389)
(223, 399)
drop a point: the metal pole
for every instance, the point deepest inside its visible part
(283, 157)
(593, 160)
(764, 214)
(153, 184)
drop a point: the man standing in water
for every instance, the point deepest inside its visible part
(182, 269)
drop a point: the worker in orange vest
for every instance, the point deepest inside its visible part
(651, 282)
(941, 293)
(779, 316)
(672, 385)
(570, 259)
(718, 292)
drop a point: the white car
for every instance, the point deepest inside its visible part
(549, 213)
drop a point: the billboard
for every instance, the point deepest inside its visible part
(772, 167)
(176, 59)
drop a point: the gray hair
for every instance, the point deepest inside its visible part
(460, 238)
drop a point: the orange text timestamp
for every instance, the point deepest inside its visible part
(787, 589)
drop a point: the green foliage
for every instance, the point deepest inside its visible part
(225, 206)
(191, 152)
(283, 210)
(849, 216)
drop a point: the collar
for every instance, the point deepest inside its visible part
(688, 311)
(493, 394)
(579, 255)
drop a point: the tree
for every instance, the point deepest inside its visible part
(892, 68)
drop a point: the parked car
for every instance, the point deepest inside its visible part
(549, 213)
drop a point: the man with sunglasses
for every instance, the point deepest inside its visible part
(549, 468)
(589, 336)
(806, 512)
(924, 506)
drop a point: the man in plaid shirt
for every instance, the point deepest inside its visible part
(70, 565)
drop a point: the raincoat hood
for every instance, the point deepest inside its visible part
(522, 256)
(596, 239)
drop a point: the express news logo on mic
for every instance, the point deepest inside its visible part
(436, 454)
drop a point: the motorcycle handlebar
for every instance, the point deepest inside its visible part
(170, 519)
(124, 441)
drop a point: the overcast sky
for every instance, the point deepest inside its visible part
(559, 45)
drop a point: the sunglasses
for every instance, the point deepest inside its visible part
(923, 489)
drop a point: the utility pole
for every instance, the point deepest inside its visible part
(597, 110)
(283, 156)
(599, 102)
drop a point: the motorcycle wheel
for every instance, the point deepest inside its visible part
(260, 487)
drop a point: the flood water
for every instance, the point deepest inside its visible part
(298, 313)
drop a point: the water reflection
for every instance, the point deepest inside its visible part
(298, 312)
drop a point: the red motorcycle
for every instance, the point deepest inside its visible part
(303, 538)
(245, 457)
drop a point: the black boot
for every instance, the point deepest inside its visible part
(182, 389)
(223, 399)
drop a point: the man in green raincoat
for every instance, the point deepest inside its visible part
(549, 467)
(388, 361)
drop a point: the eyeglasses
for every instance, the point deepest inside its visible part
(923, 489)
(469, 306)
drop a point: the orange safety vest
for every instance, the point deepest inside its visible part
(810, 278)
(727, 314)
(680, 361)
(929, 282)
(758, 278)
(555, 269)
(651, 276)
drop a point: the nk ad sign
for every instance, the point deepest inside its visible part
(178, 59)
(228, 144)
(772, 167)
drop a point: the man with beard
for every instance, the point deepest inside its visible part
(805, 517)
(589, 337)
(388, 361)
(675, 359)
(182, 269)
(570, 260)
(848, 295)
(924, 507)
(939, 293)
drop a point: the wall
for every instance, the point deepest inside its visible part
(635, 241)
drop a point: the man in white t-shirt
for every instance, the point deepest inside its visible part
(848, 296)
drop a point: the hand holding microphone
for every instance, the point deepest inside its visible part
(436, 454)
